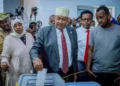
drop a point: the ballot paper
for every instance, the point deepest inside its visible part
(41, 77)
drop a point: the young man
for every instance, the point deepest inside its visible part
(104, 49)
(58, 44)
(83, 40)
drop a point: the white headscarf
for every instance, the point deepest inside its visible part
(14, 33)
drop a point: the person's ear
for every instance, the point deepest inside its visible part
(109, 16)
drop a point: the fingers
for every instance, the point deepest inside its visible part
(91, 73)
(38, 67)
(38, 64)
(4, 66)
(75, 77)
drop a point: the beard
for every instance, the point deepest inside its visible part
(7, 27)
(107, 24)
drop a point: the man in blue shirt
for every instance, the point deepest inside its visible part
(115, 22)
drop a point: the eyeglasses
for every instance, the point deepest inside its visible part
(86, 19)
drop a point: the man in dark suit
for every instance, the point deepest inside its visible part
(58, 45)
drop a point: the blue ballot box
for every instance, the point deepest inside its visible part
(82, 84)
(52, 79)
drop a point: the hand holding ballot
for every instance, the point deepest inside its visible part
(38, 65)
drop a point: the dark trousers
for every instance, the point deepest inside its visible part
(82, 77)
(2, 77)
(106, 79)
(70, 71)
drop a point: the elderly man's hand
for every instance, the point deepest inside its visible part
(38, 65)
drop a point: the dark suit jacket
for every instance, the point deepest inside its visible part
(46, 44)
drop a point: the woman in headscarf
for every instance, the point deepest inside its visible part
(15, 55)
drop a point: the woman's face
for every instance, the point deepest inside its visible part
(18, 27)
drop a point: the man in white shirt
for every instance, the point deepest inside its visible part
(83, 40)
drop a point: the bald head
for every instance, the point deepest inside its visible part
(52, 19)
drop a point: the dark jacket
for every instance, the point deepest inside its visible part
(46, 44)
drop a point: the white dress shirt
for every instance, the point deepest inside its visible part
(82, 38)
(60, 46)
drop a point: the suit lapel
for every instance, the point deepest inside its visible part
(70, 34)
(53, 36)
(54, 39)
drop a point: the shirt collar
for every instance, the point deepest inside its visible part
(83, 29)
(58, 30)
